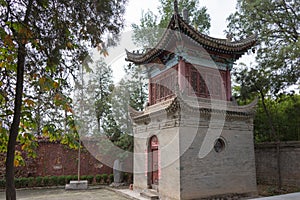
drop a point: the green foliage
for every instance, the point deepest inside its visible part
(48, 40)
(198, 17)
(69, 178)
(53, 180)
(94, 95)
(20, 182)
(285, 112)
(277, 26)
(24, 182)
(148, 32)
(125, 177)
(111, 178)
(46, 181)
(138, 87)
(39, 181)
(105, 178)
(56, 180)
(125, 142)
(98, 178)
(277, 61)
(74, 177)
(270, 123)
(61, 180)
(84, 177)
(130, 91)
(2, 183)
(89, 178)
(31, 182)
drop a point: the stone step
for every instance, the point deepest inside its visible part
(154, 187)
(150, 194)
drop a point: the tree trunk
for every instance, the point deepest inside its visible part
(276, 136)
(13, 132)
(14, 129)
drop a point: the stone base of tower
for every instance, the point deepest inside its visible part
(229, 172)
(205, 150)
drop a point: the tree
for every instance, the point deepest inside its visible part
(151, 26)
(255, 82)
(42, 40)
(277, 24)
(277, 60)
(130, 91)
(103, 86)
(285, 112)
(138, 86)
(198, 16)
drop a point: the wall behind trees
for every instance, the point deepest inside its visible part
(266, 163)
(55, 159)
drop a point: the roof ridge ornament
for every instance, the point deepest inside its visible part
(175, 7)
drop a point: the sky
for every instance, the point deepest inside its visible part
(218, 10)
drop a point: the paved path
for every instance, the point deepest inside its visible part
(103, 194)
(61, 194)
(292, 196)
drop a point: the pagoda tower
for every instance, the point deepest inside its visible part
(192, 141)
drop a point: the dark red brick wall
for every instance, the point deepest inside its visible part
(55, 159)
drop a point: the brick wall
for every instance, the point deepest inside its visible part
(266, 163)
(55, 159)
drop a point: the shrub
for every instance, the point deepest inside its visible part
(61, 180)
(21, 182)
(2, 183)
(39, 181)
(104, 178)
(111, 178)
(46, 181)
(90, 179)
(125, 177)
(98, 178)
(74, 177)
(53, 180)
(30, 182)
(17, 182)
(69, 178)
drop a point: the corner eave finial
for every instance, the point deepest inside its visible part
(175, 7)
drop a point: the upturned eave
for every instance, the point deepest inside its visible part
(234, 49)
(194, 105)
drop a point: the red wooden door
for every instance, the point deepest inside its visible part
(154, 160)
(155, 167)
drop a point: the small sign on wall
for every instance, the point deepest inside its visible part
(57, 167)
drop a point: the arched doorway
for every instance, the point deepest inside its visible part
(154, 161)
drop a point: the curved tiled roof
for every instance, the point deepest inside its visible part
(178, 25)
(192, 104)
